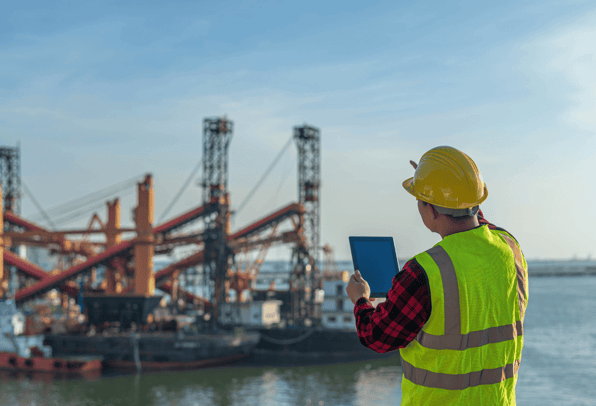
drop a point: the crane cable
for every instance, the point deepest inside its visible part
(36, 203)
(254, 189)
(92, 198)
(67, 208)
(182, 189)
(69, 217)
(89, 199)
(282, 181)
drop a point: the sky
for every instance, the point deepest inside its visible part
(102, 92)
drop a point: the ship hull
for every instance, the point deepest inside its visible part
(327, 345)
(13, 362)
(158, 351)
(171, 365)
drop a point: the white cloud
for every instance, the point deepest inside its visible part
(570, 54)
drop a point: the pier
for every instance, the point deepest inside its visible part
(570, 267)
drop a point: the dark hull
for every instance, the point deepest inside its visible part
(167, 366)
(157, 350)
(319, 343)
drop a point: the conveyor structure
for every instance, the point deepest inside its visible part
(128, 263)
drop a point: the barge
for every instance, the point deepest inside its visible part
(117, 329)
(324, 344)
(158, 351)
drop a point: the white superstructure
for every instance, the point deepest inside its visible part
(262, 313)
(12, 326)
(337, 310)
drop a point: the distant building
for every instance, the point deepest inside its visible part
(12, 326)
(40, 256)
(255, 314)
(337, 310)
(12, 321)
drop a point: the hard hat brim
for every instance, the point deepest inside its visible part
(408, 184)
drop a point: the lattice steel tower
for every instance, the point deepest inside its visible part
(10, 178)
(305, 264)
(217, 133)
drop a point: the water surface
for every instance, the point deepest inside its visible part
(558, 368)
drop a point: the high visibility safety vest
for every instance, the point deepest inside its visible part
(469, 350)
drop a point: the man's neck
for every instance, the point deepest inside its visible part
(452, 227)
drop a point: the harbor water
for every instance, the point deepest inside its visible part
(558, 368)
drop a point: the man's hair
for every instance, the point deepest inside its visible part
(473, 211)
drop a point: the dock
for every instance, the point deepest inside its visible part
(570, 267)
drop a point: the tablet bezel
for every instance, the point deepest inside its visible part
(355, 260)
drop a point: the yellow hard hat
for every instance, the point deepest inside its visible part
(446, 177)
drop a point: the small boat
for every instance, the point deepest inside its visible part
(20, 352)
(12, 361)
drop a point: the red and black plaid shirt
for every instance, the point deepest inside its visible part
(397, 321)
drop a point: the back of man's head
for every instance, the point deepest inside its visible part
(449, 180)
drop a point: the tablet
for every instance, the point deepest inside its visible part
(376, 260)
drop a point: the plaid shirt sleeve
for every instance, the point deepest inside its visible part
(397, 321)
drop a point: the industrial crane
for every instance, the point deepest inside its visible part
(128, 262)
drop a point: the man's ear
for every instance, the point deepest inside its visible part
(436, 214)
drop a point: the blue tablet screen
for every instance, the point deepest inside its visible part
(376, 260)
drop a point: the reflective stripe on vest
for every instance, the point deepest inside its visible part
(454, 340)
(521, 275)
(459, 382)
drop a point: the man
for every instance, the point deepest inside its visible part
(455, 311)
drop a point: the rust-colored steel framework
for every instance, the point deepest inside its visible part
(304, 278)
(128, 263)
(330, 266)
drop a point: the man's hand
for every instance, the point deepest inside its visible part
(357, 287)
